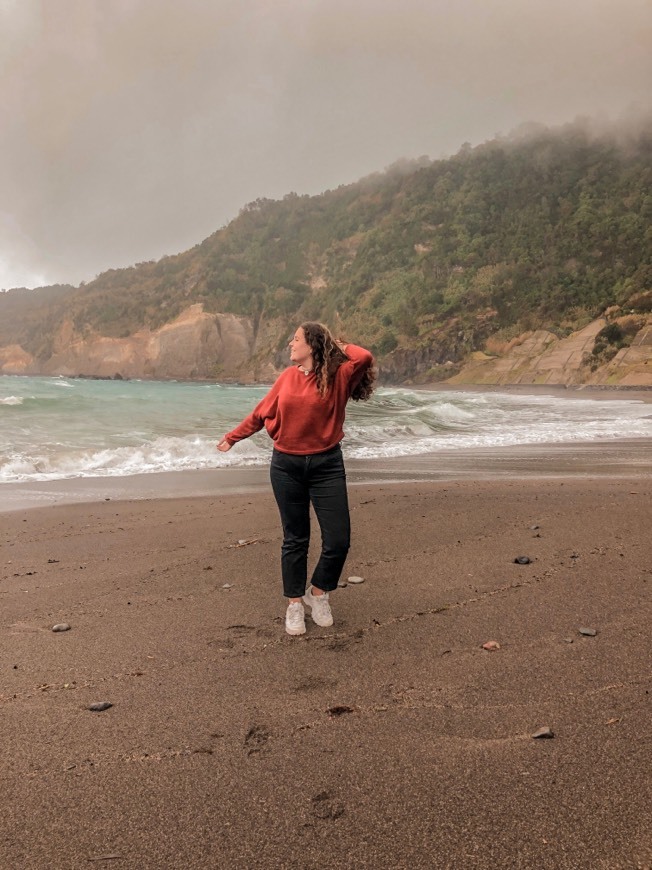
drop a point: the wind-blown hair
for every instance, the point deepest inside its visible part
(328, 357)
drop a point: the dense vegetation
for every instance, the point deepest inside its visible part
(543, 230)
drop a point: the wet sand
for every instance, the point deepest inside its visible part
(392, 739)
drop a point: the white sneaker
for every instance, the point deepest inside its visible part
(321, 609)
(295, 622)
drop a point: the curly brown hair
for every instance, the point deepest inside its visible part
(328, 356)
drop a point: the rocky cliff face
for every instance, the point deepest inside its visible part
(542, 358)
(227, 347)
(15, 361)
(195, 345)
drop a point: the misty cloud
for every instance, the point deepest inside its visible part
(135, 128)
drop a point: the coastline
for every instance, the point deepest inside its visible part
(390, 740)
(600, 459)
(586, 391)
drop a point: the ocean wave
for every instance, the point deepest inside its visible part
(109, 429)
(161, 454)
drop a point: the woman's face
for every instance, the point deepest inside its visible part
(300, 352)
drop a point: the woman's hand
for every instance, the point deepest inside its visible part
(224, 445)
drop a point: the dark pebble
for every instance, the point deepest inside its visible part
(100, 706)
(522, 560)
(534, 528)
(339, 710)
(61, 626)
(588, 632)
(543, 732)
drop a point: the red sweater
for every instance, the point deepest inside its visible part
(297, 418)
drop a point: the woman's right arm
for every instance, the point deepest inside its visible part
(254, 422)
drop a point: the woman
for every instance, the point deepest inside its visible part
(303, 414)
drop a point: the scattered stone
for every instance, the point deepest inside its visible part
(61, 626)
(339, 710)
(208, 568)
(543, 732)
(522, 560)
(356, 580)
(244, 542)
(491, 645)
(227, 586)
(588, 632)
(568, 640)
(100, 706)
(52, 561)
(342, 584)
(534, 528)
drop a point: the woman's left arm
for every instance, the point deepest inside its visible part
(358, 357)
(359, 360)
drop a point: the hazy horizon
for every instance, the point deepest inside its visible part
(134, 129)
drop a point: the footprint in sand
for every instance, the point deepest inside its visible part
(312, 683)
(256, 738)
(324, 806)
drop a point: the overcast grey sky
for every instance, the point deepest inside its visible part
(131, 129)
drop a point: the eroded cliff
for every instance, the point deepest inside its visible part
(195, 345)
(227, 347)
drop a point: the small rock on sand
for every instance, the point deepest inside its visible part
(491, 645)
(100, 706)
(61, 626)
(588, 632)
(355, 580)
(522, 560)
(543, 732)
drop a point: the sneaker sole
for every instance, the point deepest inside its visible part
(295, 632)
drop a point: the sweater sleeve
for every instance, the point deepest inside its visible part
(359, 360)
(256, 420)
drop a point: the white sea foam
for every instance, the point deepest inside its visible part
(162, 454)
(12, 400)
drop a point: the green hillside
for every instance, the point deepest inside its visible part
(542, 231)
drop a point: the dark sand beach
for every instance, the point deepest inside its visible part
(390, 740)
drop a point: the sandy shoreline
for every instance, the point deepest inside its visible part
(220, 750)
(602, 458)
(605, 459)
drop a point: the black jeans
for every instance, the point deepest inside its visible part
(297, 482)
